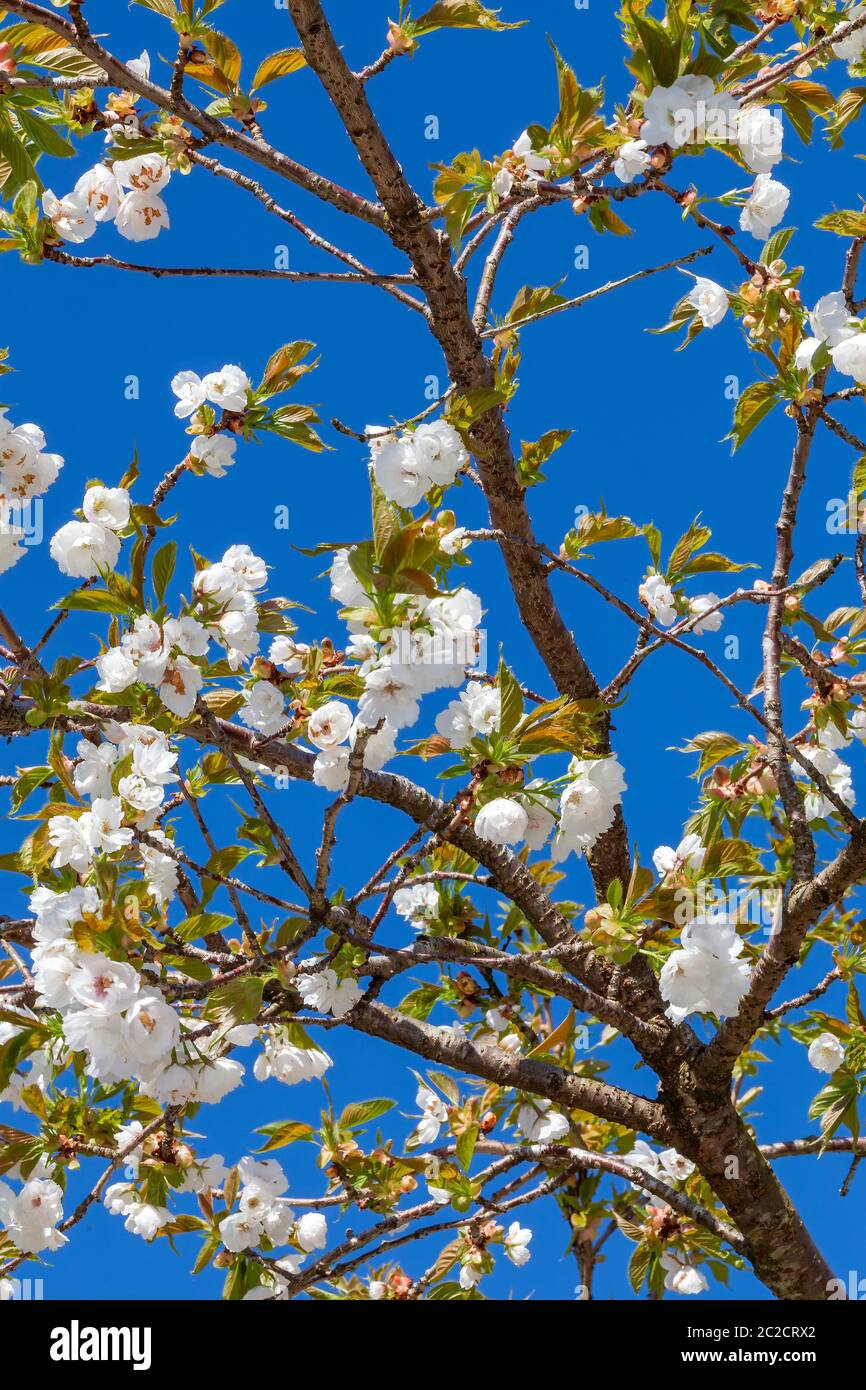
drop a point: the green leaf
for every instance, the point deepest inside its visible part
(714, 747)
(692, 540)
(163, 568)
(202, 924)
(14, 155)
(282, 370)
(466, 1146)
(530, 302)
(848, 107)
(844, 223)
(595, 527)
(43, 135)
(753, 406)
(363, 1111)
(237, 1002)
(726, 858)
(510, 700)
(28, 781)
(94, 601)
(710, 562)
(661, 48)
(777, 244)
(638, 1265)
(281, 64)
(458, 14)
(283, 1132)
(534, 456)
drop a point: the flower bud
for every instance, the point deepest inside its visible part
(398, 41)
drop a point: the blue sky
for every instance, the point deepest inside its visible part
(648, 439)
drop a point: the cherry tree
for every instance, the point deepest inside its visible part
(159, 964)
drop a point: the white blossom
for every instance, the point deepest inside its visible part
(588, 804)
(418, 903)
(503, 821)
(107, 506)
(81, 549)
(710, 300)
(390, 692)
(689, 854)
(852, 47)
(434, 1115)
(826, 1053)
(228, 388)
(329, 725)
(264, 708)
(682, 1277)
(658, 596)
(540, 1124)
(399, 472)
(331, 770)
(632, 158)
(346, 588)
(516, 1244)
(215, 452)
(142, 216)
(104, 985)
(849, 357)
(144, 173)
(766, 206)
(180, 686)
(312, 1231)
(537, 165)
(760, 134)
(706, 974)
(100, 193)
(73, 217)
(831, 319)
(700, 605)
(188, 388)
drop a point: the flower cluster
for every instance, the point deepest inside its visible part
(836, 336)
(852, 48)
(108, 1010)
(322, 989)
(666, 606)
(265, 1215)
(587, 808)
(30, 1217)
(84, 549)
(691, 111)
(333, 732)
(407, 466)
(26, 471)
(126, 192)
(837, 775)
(212, 450)
(477, 711)
(706, 976)
(285, 1059)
